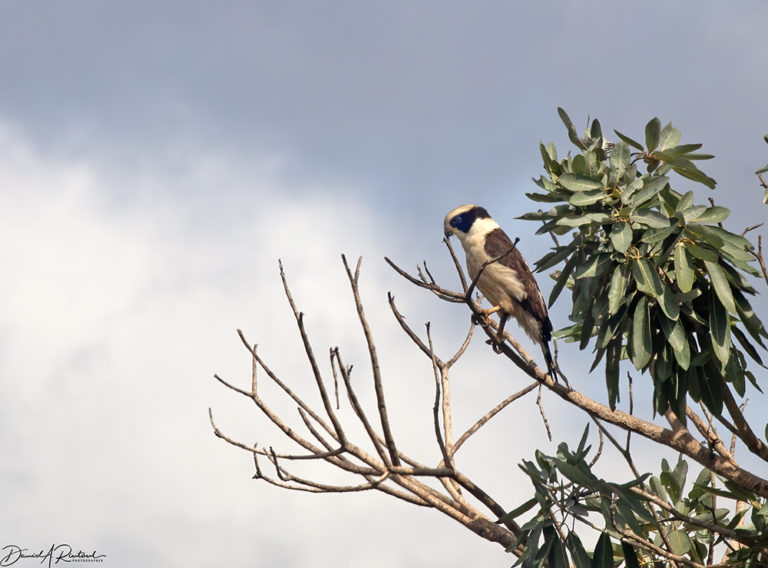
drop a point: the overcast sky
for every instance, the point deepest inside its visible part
(157, 158)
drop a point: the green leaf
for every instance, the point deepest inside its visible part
(619, 158)
(517, 511)
(719, 328)
(579, 165)
(749, 318)
(702, 253)
(583, 198)
(629, 141)
(565, 274)
(692, 212)
(714, 214)
(721, 285)
(572, 134)
(579, 220)
(685, 202)
(641, 334)
(718, 237)
(595, 267)
(710, 389)
(669, 304)
(652, 134)
(550, 161)
(646, 279)
(617, 287)
(748, 347)
(603, 555)
(555, 257)
(630, 556)
(621, 236)
(595, 131)
(653, 185)
(658, 488)
(679, 474)
(556, 558)
(650, 218)
(612, 368)
(653, 236)
(684, 274)
(680, 150)
(542, 198)
(687, 169)
(669, 137)
(677, 339)
(679, 542)
(734, 373)
(578, 182)
(579, 556)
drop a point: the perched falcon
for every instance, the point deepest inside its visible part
(507, 283)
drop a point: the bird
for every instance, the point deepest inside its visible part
(505, 279)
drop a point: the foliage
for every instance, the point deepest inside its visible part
(655, 278)
(648, 517)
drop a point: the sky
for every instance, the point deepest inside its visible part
(158, 158)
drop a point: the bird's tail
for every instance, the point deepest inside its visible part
(550, 362)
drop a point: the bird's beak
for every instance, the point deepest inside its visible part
(448, 233)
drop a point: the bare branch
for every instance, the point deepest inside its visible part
(311, 357)
(543, 414)
(254, 369)
(357, 407)
(463, 347)
(442, 293)
(280, 384)
(760, 258)
(709, 432)
(409, 331)
(436, 406)
(353, 280)
(743, 430)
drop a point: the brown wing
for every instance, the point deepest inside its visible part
(497, 243)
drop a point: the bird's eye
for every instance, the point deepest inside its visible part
(456, 221)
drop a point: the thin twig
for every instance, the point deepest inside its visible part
(543, 414)
(299, 316)
(436, 406)
(254, 368)
(378, 387)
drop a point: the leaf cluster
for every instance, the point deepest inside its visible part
(655, 278)
(641, 520)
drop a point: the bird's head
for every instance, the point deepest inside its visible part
(459, 221)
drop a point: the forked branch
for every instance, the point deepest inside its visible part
(323, 437)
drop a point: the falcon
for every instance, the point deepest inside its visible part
(505, 279)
